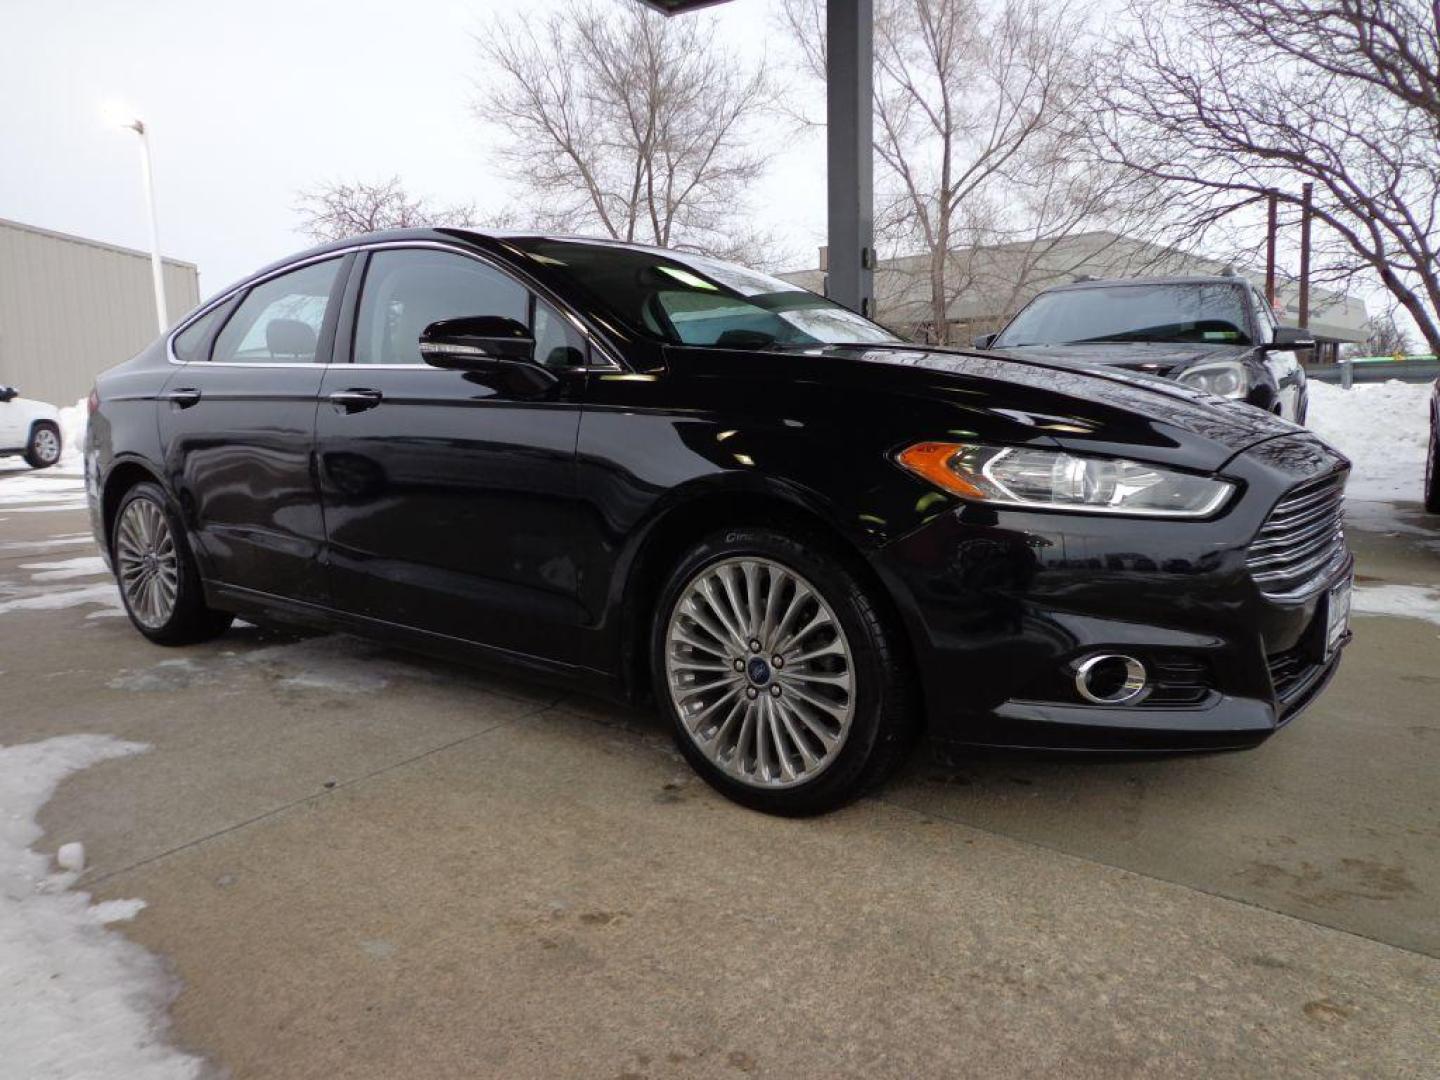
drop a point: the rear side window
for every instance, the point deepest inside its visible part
(280, 320)
(190, 344)
(406, 291)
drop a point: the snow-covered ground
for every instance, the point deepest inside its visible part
(1384, 428)
(77, 1001)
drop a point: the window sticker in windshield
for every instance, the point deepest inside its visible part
(686, 278)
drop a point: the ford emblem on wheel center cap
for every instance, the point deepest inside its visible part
(758, 670)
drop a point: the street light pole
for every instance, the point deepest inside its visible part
(125, 119)
(157, 270)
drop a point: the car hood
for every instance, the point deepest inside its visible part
(35, 410)
(1155, 357)
(1084, 407)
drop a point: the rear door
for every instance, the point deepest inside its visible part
(449, 496)
(237, 422)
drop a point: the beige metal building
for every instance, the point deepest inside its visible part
(989, 284)
(71, 307)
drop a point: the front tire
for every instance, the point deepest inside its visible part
(43, 449)
(1432, 468)
(786, 688)
(159, 580)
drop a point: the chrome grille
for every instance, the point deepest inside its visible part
(1301, 542)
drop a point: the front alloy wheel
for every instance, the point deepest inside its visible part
(787, 688)
(760, 672)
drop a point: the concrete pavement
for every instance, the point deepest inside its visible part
(364, 864)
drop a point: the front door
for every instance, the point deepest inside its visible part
(237, 422)
(449, 496)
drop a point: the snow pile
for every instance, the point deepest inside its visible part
(78, 1000)
(1384, 428)
(73, 421)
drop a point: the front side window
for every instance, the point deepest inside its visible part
(1199, 312)
(1268, 322)
(407, 290)
(280, 320)
(694, 300)
(557, 343)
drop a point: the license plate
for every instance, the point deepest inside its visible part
(1338, 620)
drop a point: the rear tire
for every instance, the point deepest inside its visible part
(797, 738)
(43, 449)
(159, 580)
(1432, 468)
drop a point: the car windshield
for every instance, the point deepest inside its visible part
(1198, 312)
(688, 299)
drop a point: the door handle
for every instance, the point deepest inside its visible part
(183, 397)
(357, 399)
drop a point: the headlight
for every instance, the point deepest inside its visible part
(1054, 480)
(1223, 378)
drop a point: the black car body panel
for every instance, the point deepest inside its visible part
(486, 515)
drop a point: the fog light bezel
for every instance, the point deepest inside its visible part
(1133, 690)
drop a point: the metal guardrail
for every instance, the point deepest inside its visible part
(1371, 369)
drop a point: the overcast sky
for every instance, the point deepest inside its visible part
(248, 103)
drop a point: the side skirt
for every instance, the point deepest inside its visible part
(267, 608)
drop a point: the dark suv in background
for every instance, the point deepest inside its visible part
(1214, 333)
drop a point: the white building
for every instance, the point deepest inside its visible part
(71, 307)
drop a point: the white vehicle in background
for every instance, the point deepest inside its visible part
(29, 428)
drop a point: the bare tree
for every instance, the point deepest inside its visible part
(1384, 336)
(622, 121)
(1224, 99)
(980, 108)
(334, 210)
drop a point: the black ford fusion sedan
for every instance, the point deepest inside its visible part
(654, 474)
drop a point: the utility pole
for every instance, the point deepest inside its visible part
(1272, 198)
(1307, 194)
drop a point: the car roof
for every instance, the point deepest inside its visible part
(484, 239)
(1179, 279)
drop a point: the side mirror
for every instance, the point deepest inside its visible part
(477, 343)
(8, 393)
(1291, 337)
(984, 341)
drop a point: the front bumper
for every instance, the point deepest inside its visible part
(1001, 607)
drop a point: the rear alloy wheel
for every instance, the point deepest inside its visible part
(43, 450)
(1432, 469)
(783, 685)
(158, 580)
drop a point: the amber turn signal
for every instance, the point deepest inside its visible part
(931, 461)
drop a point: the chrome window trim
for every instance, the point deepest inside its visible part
(596, 344)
